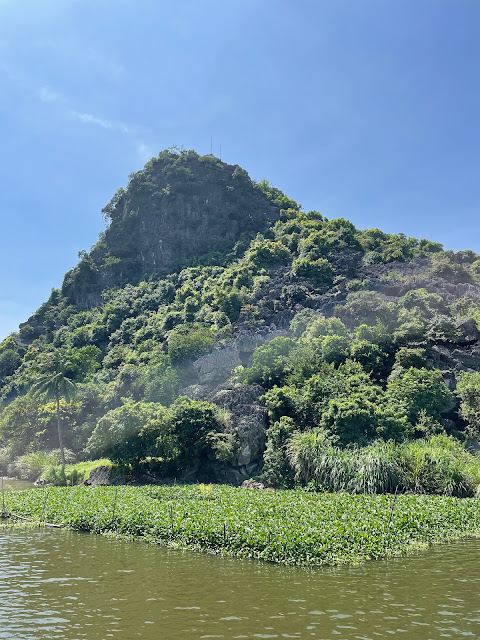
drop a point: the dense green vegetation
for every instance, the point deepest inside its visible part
(295, 528)
(380, 339)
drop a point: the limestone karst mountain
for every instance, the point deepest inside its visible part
(214, 318)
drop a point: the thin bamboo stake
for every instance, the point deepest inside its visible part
(45, 524)
(391, 511)
(114, 503)
(43, 508)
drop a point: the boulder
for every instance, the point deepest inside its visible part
(468, 330)
(103, 475)
(253, 484)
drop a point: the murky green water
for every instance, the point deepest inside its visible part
(12, 484)
(59, 584)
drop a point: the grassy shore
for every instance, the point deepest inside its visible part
(289, 527)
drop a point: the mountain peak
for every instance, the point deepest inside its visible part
(178, 210)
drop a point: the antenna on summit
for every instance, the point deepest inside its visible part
(211, 145)
(220, 152)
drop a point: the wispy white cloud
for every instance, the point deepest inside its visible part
(47, 94)
(53, 98)
(112, 125)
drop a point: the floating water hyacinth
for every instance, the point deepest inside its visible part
(288, 527)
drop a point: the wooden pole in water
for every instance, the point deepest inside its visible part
(393, 507)
(43, 508)
(114, 503)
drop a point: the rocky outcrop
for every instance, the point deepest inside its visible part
(247, 422)
(104, 475)
(179, 207)
(468, 332)
(253, 484)
(216, 367)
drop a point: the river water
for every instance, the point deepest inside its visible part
(66, 585)
(12, 484)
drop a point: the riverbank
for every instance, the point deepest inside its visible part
(288, 527)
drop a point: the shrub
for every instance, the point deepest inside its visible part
(192, 421)
(222, 445)
(418, 390)
(335, 349)
(372, 358)
(302, 320)
(276, 469)
(320, 271)
(366, 307)
(264, 253)
(455, 273)
(189, 341)
(268, 362)
(408, 357)
(320, 326)
(132, 432)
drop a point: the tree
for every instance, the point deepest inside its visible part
(468, 389)
(372, 358)
(54, 384)
(191, 421)
(420, 390)
(132, 432)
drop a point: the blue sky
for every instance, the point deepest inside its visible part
(367, 110)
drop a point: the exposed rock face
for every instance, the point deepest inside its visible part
(103, 475)
(468, 331)
(216, 367)
(248, 423)
(172, 211)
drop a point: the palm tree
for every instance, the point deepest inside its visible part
(54, 384)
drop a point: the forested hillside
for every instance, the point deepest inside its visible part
(218, 331)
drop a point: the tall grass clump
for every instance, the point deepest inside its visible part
(73, 473)
(438, 465)
(314, 457)
(31, 465)
(305, 452)
(377, 469)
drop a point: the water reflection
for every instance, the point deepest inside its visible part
(56, 584)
